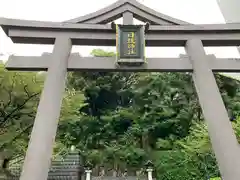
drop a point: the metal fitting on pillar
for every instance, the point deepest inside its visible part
(73, 148)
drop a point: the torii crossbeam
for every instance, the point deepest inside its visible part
(93, 30)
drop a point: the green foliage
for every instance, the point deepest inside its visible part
(102, 53)
(121, 120)
(19, 93)
(128, 118)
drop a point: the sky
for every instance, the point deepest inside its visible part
(193, 11)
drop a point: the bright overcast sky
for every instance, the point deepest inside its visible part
(193, 11)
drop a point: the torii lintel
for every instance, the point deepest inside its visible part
(93, 30)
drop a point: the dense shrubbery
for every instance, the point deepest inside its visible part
(120, 120)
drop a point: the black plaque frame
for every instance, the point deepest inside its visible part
(130, 60)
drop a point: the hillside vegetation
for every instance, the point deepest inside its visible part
(120, 120)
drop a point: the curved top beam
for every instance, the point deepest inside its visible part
(154, 16)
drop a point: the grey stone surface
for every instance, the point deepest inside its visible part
(173, 33)
(70, 168)
(77, 63)
(220, 130)
(165, 36)
(140, 11)
(39, 152)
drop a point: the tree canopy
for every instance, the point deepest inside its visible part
(120, 120)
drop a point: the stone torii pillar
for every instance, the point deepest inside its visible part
(220, 130)
(230, 11)
(38, 156)
(93, 30)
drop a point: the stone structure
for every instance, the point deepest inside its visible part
(144, 175)
(70, 168)
(93, 29)
(230, 11)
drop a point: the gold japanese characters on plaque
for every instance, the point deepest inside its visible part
(130, 43)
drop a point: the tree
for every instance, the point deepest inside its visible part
(123, 109)
(19, 95)
(121, 120)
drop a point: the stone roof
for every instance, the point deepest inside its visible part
(69, 168)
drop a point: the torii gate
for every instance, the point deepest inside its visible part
(93, 29)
